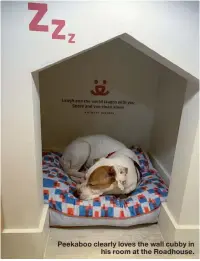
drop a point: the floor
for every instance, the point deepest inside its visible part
(145, 234)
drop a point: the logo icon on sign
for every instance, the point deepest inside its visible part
(100, 89)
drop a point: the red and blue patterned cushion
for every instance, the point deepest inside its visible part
(59, 192)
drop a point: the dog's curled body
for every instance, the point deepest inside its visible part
(85, 150)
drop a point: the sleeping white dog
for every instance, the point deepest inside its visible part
(118, 173)
(85, 151)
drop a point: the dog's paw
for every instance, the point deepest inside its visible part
(121, 184)
(78, 181)
(75, 173)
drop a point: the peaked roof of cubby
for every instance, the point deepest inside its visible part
(139, 46)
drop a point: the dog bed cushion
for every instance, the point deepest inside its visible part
(144, 200)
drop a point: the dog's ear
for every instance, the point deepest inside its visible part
(102, 177)
(111, 172)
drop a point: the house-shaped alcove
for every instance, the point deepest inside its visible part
(118, 90)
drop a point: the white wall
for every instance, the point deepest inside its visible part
(192, 185)
(169, 106)
(130, 75)
(179, 216)
(185, 160)
(162, 26)
(21, 171)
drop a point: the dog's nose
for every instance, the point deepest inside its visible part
(77, 193)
